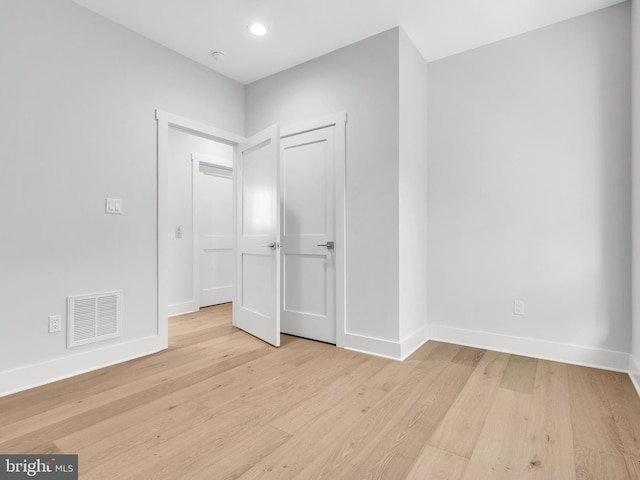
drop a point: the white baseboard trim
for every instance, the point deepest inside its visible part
(182, 308)
(373, 346)
(531, 347)
(387, 348)
(35, 375)
(634, 372)
(414, 341)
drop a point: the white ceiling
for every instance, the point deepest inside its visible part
(300, 30)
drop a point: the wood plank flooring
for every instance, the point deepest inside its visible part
(221, 404)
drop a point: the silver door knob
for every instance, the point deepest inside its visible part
(272, 245)
(329, 245)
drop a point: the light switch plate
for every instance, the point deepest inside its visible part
(113, 205)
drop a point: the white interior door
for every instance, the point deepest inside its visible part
(308, 235)
(213, 205)
(257, 305)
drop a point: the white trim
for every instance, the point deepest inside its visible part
(162, 233)
(388, 348)
(634, 372)
(236, 162)
(181, 308)
(198, 128)
(212, 161)
(166, 120)
(373, 346)
(195, 222)
(414, 341)
(313, 124)
(543, 349)
(31, 376)
(341, 226)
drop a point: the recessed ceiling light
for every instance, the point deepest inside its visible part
(258, 29)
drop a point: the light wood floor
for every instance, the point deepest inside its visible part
(221, 404)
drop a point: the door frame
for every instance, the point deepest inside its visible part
(164, 121)
(198, 159)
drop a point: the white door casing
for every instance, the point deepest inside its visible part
(213, 262)
(257, 227)
(308, 234)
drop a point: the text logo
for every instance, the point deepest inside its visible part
(49, 467)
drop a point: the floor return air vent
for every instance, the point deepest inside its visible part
(93, 318)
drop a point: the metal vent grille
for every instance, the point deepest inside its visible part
(93, 318)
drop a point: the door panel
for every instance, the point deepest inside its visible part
(257, 305)
(308, 283)
(258, 199)
(216, 276)
(305, 284)
(258, 288)
(304, 187)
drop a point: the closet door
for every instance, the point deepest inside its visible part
(308, 234)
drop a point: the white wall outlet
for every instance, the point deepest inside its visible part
(178, 231)
(518, 307)
(113, 205)
(55, 323)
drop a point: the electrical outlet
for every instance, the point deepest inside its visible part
(518, 307)
(178, 231)
(55, 323)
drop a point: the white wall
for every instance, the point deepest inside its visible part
(529, 192)
(180, 261)
(635, 362)
(412, 193)
(361, 79)
(77, 119)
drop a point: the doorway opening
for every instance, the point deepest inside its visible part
(165, 121)
(200, 214)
